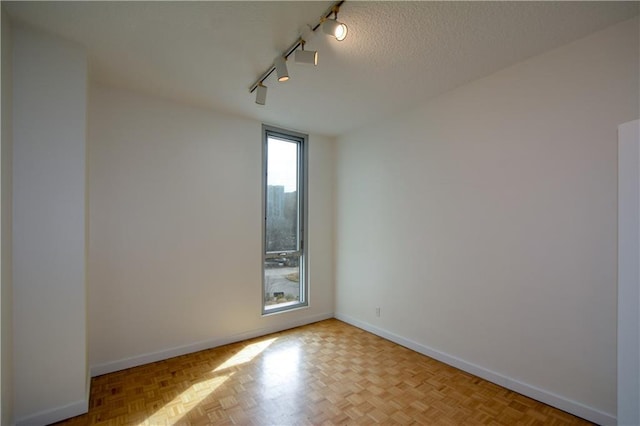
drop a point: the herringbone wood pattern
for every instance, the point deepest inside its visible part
(322, 374)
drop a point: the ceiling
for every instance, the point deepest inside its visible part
(397, 54)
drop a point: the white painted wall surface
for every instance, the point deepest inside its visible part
(483, 223)
(629, 273)
(6, 294)
(49, 306)
(175, 230)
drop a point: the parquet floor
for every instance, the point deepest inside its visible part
(327, 373)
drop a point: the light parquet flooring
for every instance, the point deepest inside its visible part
(327, 373)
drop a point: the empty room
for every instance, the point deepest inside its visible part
(320, 212)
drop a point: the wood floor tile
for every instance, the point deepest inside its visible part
(327, 373)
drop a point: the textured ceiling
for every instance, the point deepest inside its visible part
(396, 55)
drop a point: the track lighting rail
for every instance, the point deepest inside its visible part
(333, 10)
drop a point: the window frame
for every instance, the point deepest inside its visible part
(303, 201)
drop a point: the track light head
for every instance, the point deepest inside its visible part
(335, 29)
(261, 94)
(281, 68)
(306, 57)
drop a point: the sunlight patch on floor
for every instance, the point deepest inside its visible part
(174, 411)
(285, 361)
(246, 354)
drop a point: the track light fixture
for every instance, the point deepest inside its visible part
(261, 94)
(329, 26)
(335, 28)
(281, 68)
(306, 56)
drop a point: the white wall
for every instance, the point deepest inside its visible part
(175, 230)
(483, 223)
(49, 306)
(6, 294)
(629, 273)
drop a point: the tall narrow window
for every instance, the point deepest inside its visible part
(284, 272)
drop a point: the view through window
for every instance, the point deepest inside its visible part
(284, 280)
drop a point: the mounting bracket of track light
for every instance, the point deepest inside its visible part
(330, 26)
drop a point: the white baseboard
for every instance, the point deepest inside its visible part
(110, 367)
(550, 398)
(55, 414)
